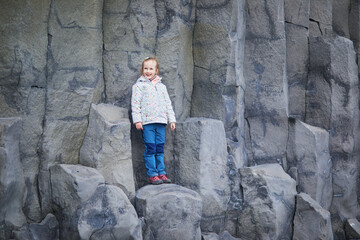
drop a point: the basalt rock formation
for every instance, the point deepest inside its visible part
(266, 94)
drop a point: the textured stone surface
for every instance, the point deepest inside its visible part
(109, 215)
(48, 228)
(223, 236)
(269, 203)
(74, 81)
(107, 146)
(12, 183)
(320, 18)
(352, 228)
(169, 211)
(266, 100)
(297, 12)
(344, 142)
(311, 221)
(200, 164)
(354, 24)
(308, 152)
(341, 17)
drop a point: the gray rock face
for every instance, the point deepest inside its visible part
(269, 203)
(88, 209)
(12, 183)
(107, 146)
(320, 18)
(354, 24)
(266, 100)
(200, 164)
(169, 211)
(74, 81)
(223, 236)
(308, 152)
(48, 228)
(311, 221)
(341, 17)
(352, 228)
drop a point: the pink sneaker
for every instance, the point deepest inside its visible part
(155, 180)
(164, 178)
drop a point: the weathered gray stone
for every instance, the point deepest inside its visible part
(341, 17)
(169, 212)
(311, 221)
(297, 12)
(320, 18)
(12, 184)
(134, 30)
(308, 152)
(109, 215)
(23, 49)
(48, 228)
(200, 164)
(354, 24)
(266, 100)
(223, 236)
(107, 146)
(269, 203)
(297, 61)
(344, 140)
(352, 229)
(74, 81)
(318, 92)
(72, 186)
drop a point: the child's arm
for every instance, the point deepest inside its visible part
(136, 105)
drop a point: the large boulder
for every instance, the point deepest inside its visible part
(89, 208)
(266, 98)
(107, 146)
(74, 81)
(269, 203)
(169, 211)
(200, 164)
(311, 221)
(308, 153)
(12, 183)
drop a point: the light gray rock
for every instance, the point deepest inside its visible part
(48, 228)
(297, 12)
(107, 146)
(318, 92)
(308, 152)
(269, 203)
(352, 229)
(136, 30)
(88, 208)
(344, 140)
(223, 236)
(266, 98)
(23, 50)
(200, 164)
(341, 17)
(311, 220)
(354, 24)
(109, 215)
(169, 211)
(74, 81)
(320, 18)
(12, 183)
(297, 61)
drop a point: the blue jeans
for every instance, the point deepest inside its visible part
(154, 140)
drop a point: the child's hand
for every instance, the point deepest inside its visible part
(172, 126)
(139, 126)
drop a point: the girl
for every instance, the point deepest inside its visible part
(151, 111)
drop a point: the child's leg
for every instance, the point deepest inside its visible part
(159, 155)
(148, 134)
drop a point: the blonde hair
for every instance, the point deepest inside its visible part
(148, 59)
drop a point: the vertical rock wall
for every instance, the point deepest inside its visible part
(251, 64)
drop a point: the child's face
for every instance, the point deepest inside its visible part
(150, 69)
